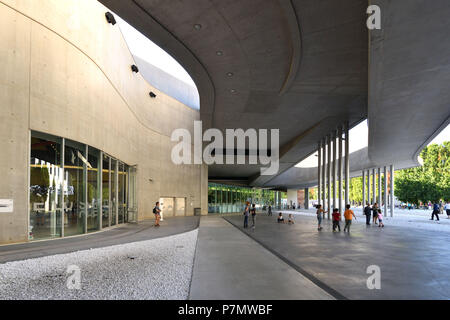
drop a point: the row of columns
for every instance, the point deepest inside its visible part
(330, 167)
(388, 189)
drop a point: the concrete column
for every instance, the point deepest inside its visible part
(340, 169)
(392, 190)
(347, 165)
(329, 181)
(374, 185)
(385, 190)
(364, 187)
(324, 160)
(334, 168)
(380, 189)
(368, 187)
(319, 172)
(306, 198)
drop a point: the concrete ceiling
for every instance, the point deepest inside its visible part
(301, 66)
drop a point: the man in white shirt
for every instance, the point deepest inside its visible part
(447, 209)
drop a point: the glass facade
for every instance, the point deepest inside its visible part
(231, 199)
(69, 183)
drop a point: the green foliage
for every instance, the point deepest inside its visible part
(429, 182)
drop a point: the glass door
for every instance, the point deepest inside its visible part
(132, 195)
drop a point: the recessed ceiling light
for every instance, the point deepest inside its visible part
(197, 26)
(233, 90)
(230, 74)
(219, 53)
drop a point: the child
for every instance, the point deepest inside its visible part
(336, 220)
(280, 218)
(348, 215)
(319, 214)
(380, 219)
(291, 219)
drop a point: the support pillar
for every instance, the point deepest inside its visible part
(340, 169)
(392, 190)
(368, 188)
(385, 190)
(329, 182)
(347, 165)
(334, 169)
(306, 198)
(324, 160)
(380, 189)
(364, 188)
(374, 186)
(319, 172)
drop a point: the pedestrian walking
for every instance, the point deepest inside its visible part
(336, 220)
(447, 209)
(348, 215)
(380, 219)
(435, 212)
(253, 212)
(157, 213)
(375, 213)
(270, 211)
(246, 214)
(368, 213)
(320, 212)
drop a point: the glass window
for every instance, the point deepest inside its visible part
(46, 176)
(94, 181)
(113, 194)
(105, 192)
(75, 170)
(121, 193)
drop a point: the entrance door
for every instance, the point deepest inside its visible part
(132, 210)
(180, 207)
(167, 207)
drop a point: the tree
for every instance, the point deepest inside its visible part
(429, 182)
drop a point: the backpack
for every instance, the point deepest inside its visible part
(154, 210)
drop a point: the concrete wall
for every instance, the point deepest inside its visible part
(65, 71)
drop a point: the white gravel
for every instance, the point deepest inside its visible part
(158, 269)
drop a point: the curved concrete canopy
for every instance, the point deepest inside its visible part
(303, 66)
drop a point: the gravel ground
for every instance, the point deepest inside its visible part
(158, 269)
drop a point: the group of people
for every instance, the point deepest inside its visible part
(348, 215)
(250, 211)
(375, 212)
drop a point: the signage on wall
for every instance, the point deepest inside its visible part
(6, 205)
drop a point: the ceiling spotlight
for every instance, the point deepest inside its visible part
(134, 68)
(233, 91)
(110, 18)
(152, 95)
(219, 53)
(197, 26)
(230, 74)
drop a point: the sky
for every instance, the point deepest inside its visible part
(144, 48)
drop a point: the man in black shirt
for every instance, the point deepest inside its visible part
(367, 213)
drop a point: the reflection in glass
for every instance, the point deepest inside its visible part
(75, 166)
(105, 192)
(46, 178)
(94, 180)
(113, 195)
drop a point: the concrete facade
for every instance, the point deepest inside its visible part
(65, 71)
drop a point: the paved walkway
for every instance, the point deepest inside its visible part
(230, 265)
(120, 235)
(414, 263)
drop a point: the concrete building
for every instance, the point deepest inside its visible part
(86, 142)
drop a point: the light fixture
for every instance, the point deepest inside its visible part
(152, 95)
(134, 68)
(233, 90)
(197, 26)
(110, 18)
(219, 53)
(230, 74)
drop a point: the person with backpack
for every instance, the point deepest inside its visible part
(157, 213)
(367, 213)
